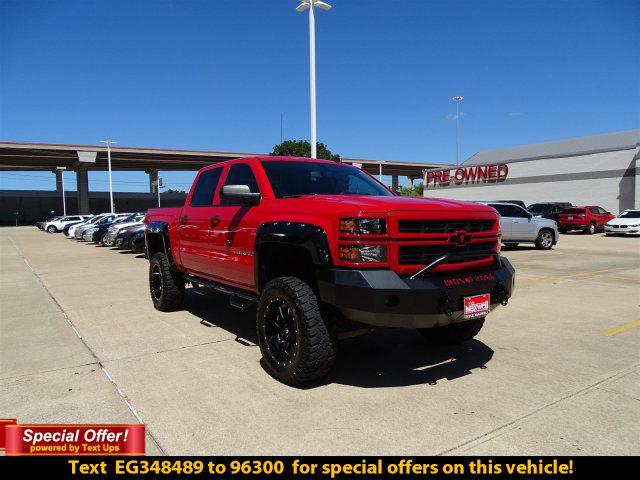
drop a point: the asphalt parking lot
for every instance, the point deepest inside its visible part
(557, 371)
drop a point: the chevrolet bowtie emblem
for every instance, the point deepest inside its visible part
(460, 239)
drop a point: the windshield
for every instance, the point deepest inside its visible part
(630, 214)
(292, 179)
(540, 207)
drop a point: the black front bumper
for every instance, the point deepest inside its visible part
(382, 298)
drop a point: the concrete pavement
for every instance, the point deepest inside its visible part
(541, 378)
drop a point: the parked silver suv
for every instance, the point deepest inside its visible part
(519, 226)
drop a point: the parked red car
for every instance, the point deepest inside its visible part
(589, 219)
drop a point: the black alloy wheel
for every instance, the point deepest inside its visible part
(295, 340)
(281, 331)
(156, 282)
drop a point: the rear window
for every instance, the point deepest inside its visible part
(206, 188)
(573, 210)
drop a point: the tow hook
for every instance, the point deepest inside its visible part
(445, 305)
(502, 294)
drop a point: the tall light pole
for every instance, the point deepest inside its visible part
(64, 202)
(108, 143)
(457, 99)
(158, 183)
(310, 5)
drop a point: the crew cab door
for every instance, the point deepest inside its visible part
(194, 224)
(233, 236)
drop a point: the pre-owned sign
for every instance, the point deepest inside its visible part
(476, 174)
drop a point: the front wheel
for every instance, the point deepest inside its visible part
(454, 333)
(52, 229)
(295, 341)
(591, 229)
(107, 241)
(544, 240)
(166, 286)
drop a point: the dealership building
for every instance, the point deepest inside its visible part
(595, 170)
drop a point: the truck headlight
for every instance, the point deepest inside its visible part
(363, 253)
(365, 226)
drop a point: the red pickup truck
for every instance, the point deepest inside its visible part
(319, 246)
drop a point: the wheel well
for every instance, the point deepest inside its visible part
(545, 229)
(154, 244)
(285, 260)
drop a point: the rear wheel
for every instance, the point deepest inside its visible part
(454, 333)
(295, 340)
(544, 240)
(166, 286)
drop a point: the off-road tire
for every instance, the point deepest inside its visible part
(165, 286)
(454, 333)
(591, 229)
(52, 229)
(314, 350)
(545, 240)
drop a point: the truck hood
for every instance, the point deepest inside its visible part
(397, 203)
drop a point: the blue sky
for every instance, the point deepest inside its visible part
(217, 74)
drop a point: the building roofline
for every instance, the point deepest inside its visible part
(610, 142)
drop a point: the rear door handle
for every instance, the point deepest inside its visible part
(213, 221)
(184, 219)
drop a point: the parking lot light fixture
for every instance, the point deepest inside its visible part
(108, 143)
(310, 5)
(457, 99)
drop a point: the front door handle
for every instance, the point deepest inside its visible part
(213, 221)
(184, 219)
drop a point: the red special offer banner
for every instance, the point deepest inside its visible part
(74, 440)
(3, 423)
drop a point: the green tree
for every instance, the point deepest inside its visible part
(416, 191)
(302, 148)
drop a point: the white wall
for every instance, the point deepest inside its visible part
(612, 194)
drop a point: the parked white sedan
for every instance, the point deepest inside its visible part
(59, 224)
(627, 223)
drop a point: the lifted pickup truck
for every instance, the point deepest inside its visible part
(319, 245)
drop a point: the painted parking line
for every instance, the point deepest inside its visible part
(621, 328)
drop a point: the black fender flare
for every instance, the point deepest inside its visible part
(158, 229)
(311, 237)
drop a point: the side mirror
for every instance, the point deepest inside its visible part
(240, 194)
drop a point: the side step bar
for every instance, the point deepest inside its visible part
(238, 298)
